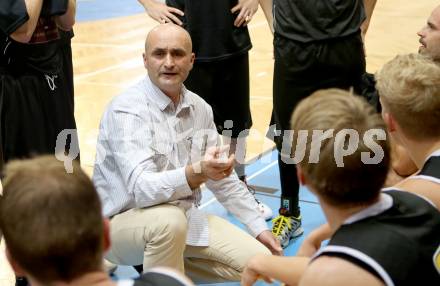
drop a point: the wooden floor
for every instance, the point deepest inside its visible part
(107, 58)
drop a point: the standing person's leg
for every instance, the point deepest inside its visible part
(293, 61)
(224, 84)
(225, 257)
(154, 236)
(233, 117)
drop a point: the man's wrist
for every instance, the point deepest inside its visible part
(194, 175)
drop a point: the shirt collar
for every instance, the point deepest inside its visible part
(162, 100)
(384, 203)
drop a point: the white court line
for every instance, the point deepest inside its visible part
(248, 178)
(133, 63)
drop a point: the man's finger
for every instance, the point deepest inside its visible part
(175, 19)
(176, 11)
(236, 8)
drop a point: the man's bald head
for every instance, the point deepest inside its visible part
(169, 30)
(168, 58)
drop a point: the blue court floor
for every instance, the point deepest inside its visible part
(263, 172)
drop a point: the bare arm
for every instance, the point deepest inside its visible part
(334, 271)
(24, 33)
(313, 241)
(267, 267)
(369, 8)
(66, 21)
(161, 12)
(266, 5)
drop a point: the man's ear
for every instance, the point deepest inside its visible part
(389, 121)
(144, 57)
(300, 176)
(19, 272)
(106, 234)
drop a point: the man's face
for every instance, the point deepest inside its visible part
(430, 36)
(168, 59)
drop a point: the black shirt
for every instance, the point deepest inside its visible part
(314, 20)
(397, 245)
(210, 24)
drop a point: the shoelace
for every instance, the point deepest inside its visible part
(280, 223)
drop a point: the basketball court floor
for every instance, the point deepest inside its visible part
(107, 58)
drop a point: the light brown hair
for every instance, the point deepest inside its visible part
(51, 220)
(356, 182)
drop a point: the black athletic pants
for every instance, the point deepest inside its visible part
(300, 69)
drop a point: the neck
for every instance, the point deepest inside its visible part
(98, 278)
(420, 150)
(174, 95)
(337, 215)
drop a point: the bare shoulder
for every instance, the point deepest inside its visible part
(334, 271)
(421, 187)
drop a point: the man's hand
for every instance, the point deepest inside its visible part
(313, 241)
(216, 165)
(250, 275)
(270, 241)
(161, 12)
(247, 10)
(309, 247)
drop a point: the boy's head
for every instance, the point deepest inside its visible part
(409, 89)
(346, 155)
(51, 220)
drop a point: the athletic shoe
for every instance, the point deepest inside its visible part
(285, 228)
(263, 209)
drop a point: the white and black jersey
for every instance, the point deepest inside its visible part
(431, 169)
(395, 239)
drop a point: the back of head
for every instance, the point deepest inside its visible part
(51, 220)
(351, 164)
(409, 89)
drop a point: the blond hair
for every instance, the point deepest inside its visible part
(409, 88)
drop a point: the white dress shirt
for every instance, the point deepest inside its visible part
(144, 144)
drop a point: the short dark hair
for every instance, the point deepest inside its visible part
(356, 182)
(51, 220)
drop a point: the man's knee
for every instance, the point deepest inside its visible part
(170, 226)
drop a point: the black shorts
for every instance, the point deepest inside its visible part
(35, 104)
(303, 68)
(224, 84)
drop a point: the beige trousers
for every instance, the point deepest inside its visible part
(156, 236)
